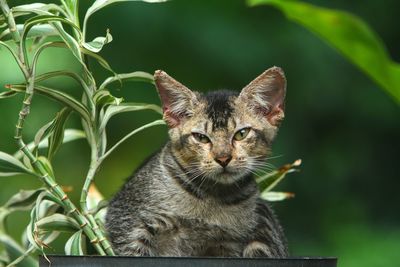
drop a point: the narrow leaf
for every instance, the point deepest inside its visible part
(75, 76)
(126, 107)
(53, 20)
(57, 135)
(39, 51)
(46, 204)
(270, 180)
(350, 35)
(42, 133)
(276, 196)
(37, 8)
(104, 97)
(98, 58)
(21, 258)
(99, 4)
(45, 208)
(97, 44)
(137, 76)
(45, 10)
(23, 200)
(58, 222)
(72, 7)
(73, 134)
(30, 229)
(61, 97)
(14, 251)
(7, 94)
(151, 124)
(75, 244)
(31, 22)
(72, 44)
(21, 66)
(69, 135)
(11, 166)
(43, 30)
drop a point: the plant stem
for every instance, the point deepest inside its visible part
(85, 219)
(13, 31)
(24, 112)
(85, 210)
(157, 122)
(59, 193)
(93, 140)
(10, 21)
(46, 178)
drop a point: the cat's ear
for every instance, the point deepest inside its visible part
(177, 100)
(266, 95)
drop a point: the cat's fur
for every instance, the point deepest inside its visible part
(199, 198)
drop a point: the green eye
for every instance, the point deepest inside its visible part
(201, 138)
(241, 134)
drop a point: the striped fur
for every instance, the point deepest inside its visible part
(183, 201)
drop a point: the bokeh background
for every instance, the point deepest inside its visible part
(341, 124)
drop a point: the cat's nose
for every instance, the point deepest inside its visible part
(223, 161)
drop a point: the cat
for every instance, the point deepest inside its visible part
(197, 196)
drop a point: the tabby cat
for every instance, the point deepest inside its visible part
(197, 196)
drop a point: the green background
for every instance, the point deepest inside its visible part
(344, 128)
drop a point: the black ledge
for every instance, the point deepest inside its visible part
(107, 261)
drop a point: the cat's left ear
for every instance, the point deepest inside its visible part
(177, 100)
(266, 95)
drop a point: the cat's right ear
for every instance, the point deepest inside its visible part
(266, 95)
(177, 100)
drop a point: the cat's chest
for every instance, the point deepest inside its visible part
(206, 211)
(238, 218)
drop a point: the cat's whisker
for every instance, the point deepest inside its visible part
(274, 157)
(203, 179)
(261, 168)
(251, 171)
(196, 173)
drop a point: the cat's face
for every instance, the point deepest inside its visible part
(222, 135)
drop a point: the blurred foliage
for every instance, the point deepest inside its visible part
(350, 35)
(344, 129)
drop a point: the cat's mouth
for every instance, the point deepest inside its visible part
(228, 174)
(226, 171)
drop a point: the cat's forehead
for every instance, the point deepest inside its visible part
(219, 109)
(221, 113)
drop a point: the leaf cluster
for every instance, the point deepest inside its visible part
(57, 25)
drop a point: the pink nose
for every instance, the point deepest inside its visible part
(223, 161)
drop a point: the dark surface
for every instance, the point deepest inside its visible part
(184, 262)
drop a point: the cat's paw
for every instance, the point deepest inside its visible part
(156, 224)
(137, 243)
(138, 248)
(256, 249)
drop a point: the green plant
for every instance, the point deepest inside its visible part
(51, 210)
(350, 35)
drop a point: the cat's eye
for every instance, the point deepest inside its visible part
(201, 138)
(241, 134)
